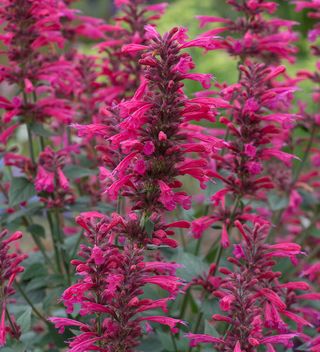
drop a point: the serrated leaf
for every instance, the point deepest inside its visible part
(20, 191)
(37, 230)
(74, 172)
(24, 321)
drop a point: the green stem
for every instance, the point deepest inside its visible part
(306, 154)
(173, 339)
(30, 142)
(60, 246)
(16, 333)
(54, 243)
(184, 303)
(38, 242)
(77, 245)
(213, 247)
(42, 143)
(27, 299)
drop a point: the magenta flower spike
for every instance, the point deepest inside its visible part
(110, 287)
(10, 268)
(253, 34)
(253, 301)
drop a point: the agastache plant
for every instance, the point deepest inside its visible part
(109, 291)
(168, 210)
(253, 301)
(152, 136)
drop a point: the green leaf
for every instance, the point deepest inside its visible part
(277, 202)
(16, 347)
(210, 329)
(151, 343)
(27, 211)
(37, 230)
(36, 283)
(209, 307)
(39, 130)
(166, 341)
(24, 321)
(193, 266)
(74, 172)
(34, 270)
(21, 190)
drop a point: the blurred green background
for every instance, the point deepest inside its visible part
(183, 12)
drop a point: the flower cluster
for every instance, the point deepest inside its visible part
(253, 34)
(256, 134)
(9, 269)
(109, 291)
(255, 302)
(198, 199)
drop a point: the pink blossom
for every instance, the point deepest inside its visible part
(196, 339)
(149, 148)
(198, 226)
(44, 180)
(171, 322)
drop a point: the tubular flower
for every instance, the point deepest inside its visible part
(153, 132)
(9, 269)
(255, 35)
(121, 68)
(110, 287)
(149, 134)
(30, 26)
(254, 131)
(51, 179)
(254, 300)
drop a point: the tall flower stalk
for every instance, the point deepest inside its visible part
(153, 140)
